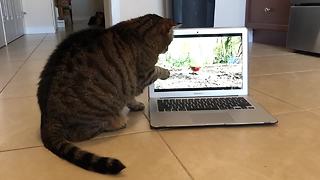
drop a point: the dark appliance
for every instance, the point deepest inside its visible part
(304, 26)
(194, 13)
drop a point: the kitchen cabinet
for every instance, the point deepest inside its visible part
(12, 16)
(268, 19)
(19, 15)
(2, 39)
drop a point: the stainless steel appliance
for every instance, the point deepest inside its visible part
(304, 26)
(194, 14)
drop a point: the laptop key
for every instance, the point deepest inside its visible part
(197, 104)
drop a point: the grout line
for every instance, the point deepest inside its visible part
(16, 149)
(90, 140)
(118, 135)
(272, 55)
(284, 73)
(170, 149)
(289, 112)
(20, 97)
(314, 113)
(19, 68)
(281, 100)
(312, 108)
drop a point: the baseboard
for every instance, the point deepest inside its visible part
(277, 38)
(39, 30)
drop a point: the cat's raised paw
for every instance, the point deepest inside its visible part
(165, 74)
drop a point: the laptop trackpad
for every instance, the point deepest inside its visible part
(211, 118)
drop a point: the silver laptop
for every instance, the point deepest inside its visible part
(208, 83)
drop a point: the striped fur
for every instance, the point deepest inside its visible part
(90, 77)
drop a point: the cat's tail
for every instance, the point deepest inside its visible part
(52, 137)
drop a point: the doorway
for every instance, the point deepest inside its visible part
(75, 15)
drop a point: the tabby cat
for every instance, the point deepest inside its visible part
(90, 77)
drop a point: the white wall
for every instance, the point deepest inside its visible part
(230, 13)
(84, 9)
(126, 9)
(39, 17)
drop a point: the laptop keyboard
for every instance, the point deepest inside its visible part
(198, 104)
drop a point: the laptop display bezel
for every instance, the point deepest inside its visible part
(220, 92)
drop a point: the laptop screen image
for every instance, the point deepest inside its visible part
(203, 62)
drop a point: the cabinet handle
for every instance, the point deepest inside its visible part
(5, 9)
(267, 10)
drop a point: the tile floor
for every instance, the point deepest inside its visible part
(285, 83)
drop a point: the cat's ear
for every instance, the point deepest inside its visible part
(169, 25)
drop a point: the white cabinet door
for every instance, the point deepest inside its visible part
(18, 15)
(9, 21)
(12, 19)
(2, 16)
(2, 40)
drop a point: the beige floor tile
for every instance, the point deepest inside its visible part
(272, 105)
(20, 123)
(20, 49)
(40, 56)
(145, 155)
(56, 37)
(3, 81)
(32, 67)
(6, 66)
(25, 42)
(299, 89)
(24, 83)
(31, 37)
(23, 45)
(283, 64)
(14, 55)
(315, 111)
(43, 52)
(258, 50)
(48, 45)
(20, 89)
(7, 71)
(286, 151)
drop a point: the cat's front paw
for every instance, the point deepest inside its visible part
(137, 106)
(165, 74)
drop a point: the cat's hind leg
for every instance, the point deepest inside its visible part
(86, 131)
(115, 123)
(82, 132)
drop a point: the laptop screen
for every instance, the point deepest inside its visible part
(202, 62)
